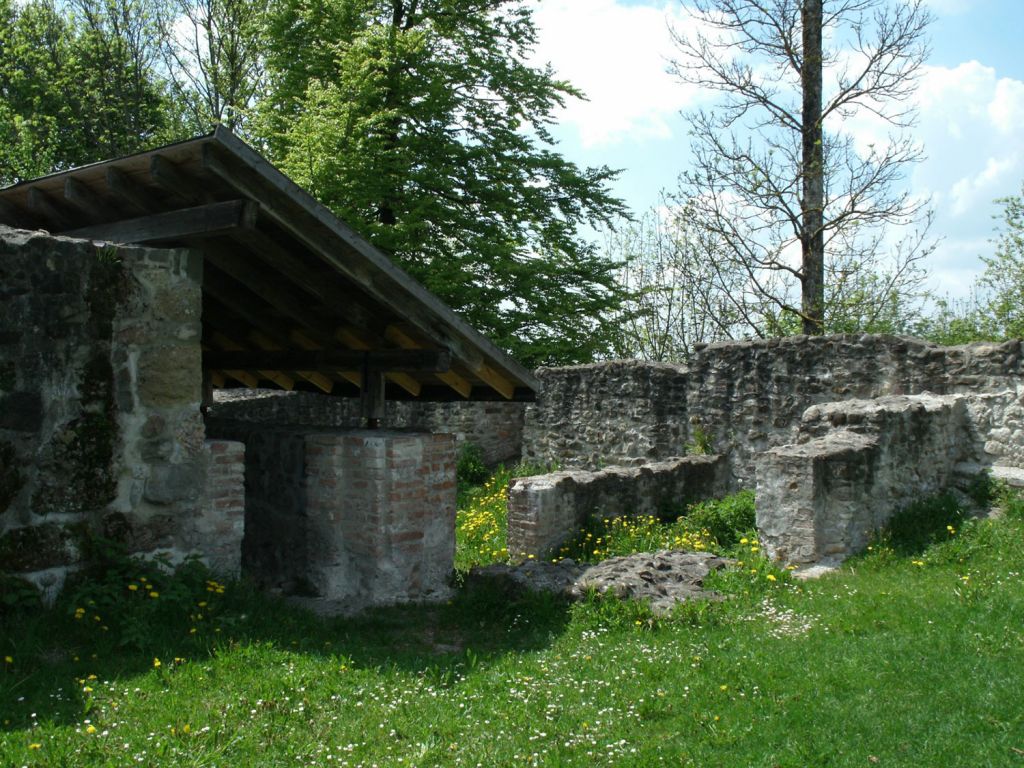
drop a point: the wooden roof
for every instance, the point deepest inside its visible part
(292, 297)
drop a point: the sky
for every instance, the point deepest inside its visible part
(970, 101)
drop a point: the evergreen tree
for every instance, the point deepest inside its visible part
(421, 124)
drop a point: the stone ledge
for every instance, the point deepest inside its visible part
(546, 510)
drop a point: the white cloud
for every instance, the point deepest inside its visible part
(972, 129)
(618, 56)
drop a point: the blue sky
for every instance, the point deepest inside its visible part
(970, 101)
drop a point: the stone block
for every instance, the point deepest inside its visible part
(170, 374)
(169, 483)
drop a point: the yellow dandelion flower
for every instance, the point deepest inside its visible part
(133, 587)
(154, 594)
(9, 659)
(770, 577)
(156, 663)
(34, 746)
(91, 729)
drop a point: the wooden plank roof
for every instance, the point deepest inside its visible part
(292, 296)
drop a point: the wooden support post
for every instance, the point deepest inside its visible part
(371, 396)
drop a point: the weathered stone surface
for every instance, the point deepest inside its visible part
(169, 483)
(39, 547)
(747, 397)
(664, 578)
(170, 374)
(854, 465)
(21, 411)
(546, 510)
(86, 435)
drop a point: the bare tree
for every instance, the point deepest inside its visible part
(792, 200)
(680, 295)
(212, 51)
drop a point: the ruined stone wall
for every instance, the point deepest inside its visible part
(856, 463)
(494, 427)
(747, 397)
(544, 511)
(100, 383)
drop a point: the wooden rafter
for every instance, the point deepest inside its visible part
(199, 221)
(384, 361)
(398, 336)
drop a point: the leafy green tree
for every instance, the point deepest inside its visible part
(420, 123)
(212, 51)
(77, 84)
(1004, 272)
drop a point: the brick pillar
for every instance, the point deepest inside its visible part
(380, 516)
(221, 520)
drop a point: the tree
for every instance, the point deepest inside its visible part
(421, 124)
(790, 200)
(77, 85)
(1004, 272)
(212, 50)
(678, 296)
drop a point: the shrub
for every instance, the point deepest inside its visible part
(124, 598)
(471, 469)
(727, 519)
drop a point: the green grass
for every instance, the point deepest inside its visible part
(903, 658)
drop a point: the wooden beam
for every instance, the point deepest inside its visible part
(351, 337)
(243, 377)
(499, 383)
(269, 286)
(313, 224)
(397, 336)
(318, 285)
(49, 210)
(426, 360)
(304, 341)
(87, 201)
(131, 192)
(171, 178)
(13, 216)
(270, 374)
(197, 222)
(322, 382)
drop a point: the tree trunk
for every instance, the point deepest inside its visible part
(812, 235)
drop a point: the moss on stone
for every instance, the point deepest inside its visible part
(37, 547)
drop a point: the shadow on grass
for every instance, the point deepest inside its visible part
(54, 655)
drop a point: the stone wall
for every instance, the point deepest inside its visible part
(100, 383)
(494, 427)
(545, 511)
(748, 397)
(854, 464)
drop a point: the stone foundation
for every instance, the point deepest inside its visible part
(381, 516)
(769, 407)
(747, 397)
(546, 510)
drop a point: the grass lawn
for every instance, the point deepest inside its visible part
(912, 655)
